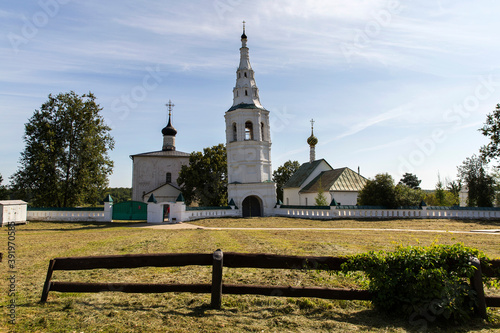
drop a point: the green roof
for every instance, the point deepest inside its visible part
(300, 176)
(342, 179)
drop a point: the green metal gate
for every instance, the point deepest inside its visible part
(130, 210)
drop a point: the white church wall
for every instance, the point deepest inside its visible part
(150, 173)
(349, 198)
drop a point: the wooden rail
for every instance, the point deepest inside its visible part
(218, 260)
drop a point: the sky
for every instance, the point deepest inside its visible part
(393, 86)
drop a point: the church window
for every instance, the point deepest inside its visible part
(246, 92)
(306, 201)
(239, 75)
(235, 134)
(245, 74)
(248, 130)
(169, 178)
(262, 131)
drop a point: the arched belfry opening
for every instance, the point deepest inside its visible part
(248, 130)
(252, 206)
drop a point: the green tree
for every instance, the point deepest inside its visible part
(65, 162)
(453, 187)
(491, 129)
(439, 192)
(320, 198)
(410, 180)
(204, 180)
(119, 194)
(480, 185)
(379, 191)
(407, 196)
(3, 190)
(283, 174)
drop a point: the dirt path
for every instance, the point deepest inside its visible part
(194, 226)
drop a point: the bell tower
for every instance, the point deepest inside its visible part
(248, 144)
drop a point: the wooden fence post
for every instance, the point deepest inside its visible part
(46, 286)
(477, 285)
(217, 279)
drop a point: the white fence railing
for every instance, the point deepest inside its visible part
(71, 214)
(333, 212)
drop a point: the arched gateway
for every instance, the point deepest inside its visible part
(252, 207)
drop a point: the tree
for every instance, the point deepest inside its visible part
(204, 180)
(407, 196)
(439, 192)
(410, 180)
(320, 198)
(491, 129)
(283, 174)
(65, 162)
(3, 190)
(480, 185)
(454, 188)
(378, 192)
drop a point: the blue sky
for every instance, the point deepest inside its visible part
(393, 86)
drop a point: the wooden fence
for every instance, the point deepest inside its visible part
(218, 260)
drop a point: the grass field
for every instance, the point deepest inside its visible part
(38, 242)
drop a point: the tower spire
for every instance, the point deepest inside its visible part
(312, 141)
(245, 92)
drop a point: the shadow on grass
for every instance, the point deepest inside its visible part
(270, 315)
(76, 226)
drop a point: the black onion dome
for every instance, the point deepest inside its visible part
(169, 130)
(243, 36)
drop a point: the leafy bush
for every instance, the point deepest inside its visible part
(421, 281)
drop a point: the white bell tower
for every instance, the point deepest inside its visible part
(248, 144)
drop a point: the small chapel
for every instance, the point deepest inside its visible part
(341, 186)
(155, 173)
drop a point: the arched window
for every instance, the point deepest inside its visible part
(245, 74)
(262, 131)
(236, 93)
(248, 130)
(239, 75)
(169, 178)
(235, 134)
(246, 92)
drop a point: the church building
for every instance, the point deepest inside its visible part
(340, 186)
(248, 144)
(157, 172)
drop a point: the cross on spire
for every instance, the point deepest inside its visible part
(312, 123)
(170, 105)
(244, 26)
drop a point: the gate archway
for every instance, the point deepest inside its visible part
(130, 210)
(252, 206)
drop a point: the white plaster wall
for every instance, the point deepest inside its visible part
(345, 197)
(292, 193)
(150, 172)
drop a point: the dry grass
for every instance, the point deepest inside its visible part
(116, 312)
